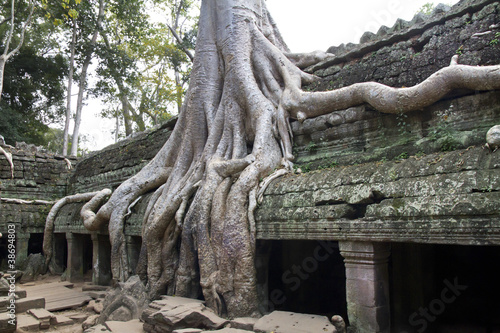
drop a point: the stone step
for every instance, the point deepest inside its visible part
(132, 326)
(291, 322)
(43, 316)
(8, 323)
(61, 320)
(25, 304)
(27, 322)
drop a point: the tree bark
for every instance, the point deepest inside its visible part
(83, 81)
(68, 99)
(232, 131)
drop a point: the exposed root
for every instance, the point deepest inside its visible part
(48, 235)
(87, 213)
(8, 156)
(129, 208)
(68, 163)
(233, 130)
(27, 202)
(303, 105)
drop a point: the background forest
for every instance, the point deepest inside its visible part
(134, 55)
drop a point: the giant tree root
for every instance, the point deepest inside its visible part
(233, 130)
(96, 198)
(8, 156)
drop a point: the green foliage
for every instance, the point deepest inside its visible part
(402, 156)
(33, 92)
(426, 8)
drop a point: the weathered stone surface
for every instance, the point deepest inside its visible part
(246, 323)
(41, 314)
(25, 304)
(33, 267)
(290, 322)
(61, 320)
(7, 323)
(129, 299)
(27, 323)
(189, 315)
(132, 326)
(79, 317)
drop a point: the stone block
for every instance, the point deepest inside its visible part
(290, 322)
(41, 313)
(132, 326)
(61, 320)
(7, 324)
(79, 317)
(194, 315)
(244, 323)
(25, 304)
(27, 323)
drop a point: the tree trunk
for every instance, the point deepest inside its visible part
(232, 131)
(83, 81)
(68, 99)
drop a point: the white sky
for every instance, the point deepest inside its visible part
(305, 26)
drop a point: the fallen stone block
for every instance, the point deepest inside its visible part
(27, 323)
(79, 317)
(195, 315)
(41, 313)
(93, 287)
(290, 322)
(132, 326)
(8, 324)
(244, 323)
(90, 321)
(61, 320)
(25, 304)
(43, 317)
(96, 294)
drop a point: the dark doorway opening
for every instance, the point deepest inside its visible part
(307, 277)
(445, 288)
(60, 252)
(35, 243)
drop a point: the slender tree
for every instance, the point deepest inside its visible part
(7, 52)
(89, 52)
(233, 130)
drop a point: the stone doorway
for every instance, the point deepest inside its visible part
(444, 288)
(306, 277)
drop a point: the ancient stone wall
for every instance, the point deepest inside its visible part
(37, 176)
(109, 167)
(403, 56)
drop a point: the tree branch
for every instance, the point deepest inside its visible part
(179, 40)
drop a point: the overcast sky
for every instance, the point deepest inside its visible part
(306, 25)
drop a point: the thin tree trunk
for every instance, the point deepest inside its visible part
(68, 100)
(83, 81)
(6, 54)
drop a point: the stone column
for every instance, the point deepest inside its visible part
(22, 241)
(367, 285)
(74, 270)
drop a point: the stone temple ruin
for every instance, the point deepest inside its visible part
(392, 221)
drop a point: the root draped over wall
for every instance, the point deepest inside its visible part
(233, 131)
